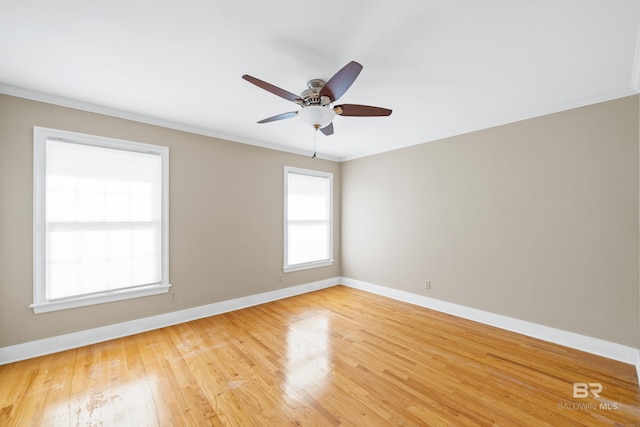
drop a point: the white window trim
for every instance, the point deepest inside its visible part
(315, 264)
(40, 303)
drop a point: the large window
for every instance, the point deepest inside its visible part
(100, 220)
(307, 219)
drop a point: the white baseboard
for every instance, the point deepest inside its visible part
(55, 344)
(592, 345)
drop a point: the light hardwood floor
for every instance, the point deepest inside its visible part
(338, 356)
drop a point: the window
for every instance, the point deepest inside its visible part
(308, 219)
(100, 220)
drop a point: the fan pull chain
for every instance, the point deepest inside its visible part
(315, 132)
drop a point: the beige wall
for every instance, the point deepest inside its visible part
(226, 231)
(537, 220)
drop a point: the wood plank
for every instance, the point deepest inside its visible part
(338, 356)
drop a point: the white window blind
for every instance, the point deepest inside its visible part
(100, 219)
(308, 219)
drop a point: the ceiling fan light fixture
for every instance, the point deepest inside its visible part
(317, 100)
(316, 116)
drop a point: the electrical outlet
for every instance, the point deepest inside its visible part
(427, 284)
(173, 297)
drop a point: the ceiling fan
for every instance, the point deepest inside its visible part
(317, 101)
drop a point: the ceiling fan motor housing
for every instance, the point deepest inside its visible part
(311, 96)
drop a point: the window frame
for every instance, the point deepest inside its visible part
(40, 302)
(312, 264)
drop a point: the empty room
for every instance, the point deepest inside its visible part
(343, 213)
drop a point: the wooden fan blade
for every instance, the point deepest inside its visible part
(328, 129)
(273, 89)
(341, 81)
(279, 117)
(361, 110)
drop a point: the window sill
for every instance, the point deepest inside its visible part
(111, 296)
(307, 265)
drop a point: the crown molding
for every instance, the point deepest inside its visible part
(141, 118)
(635, 73)
(609, 96)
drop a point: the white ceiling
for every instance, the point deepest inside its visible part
(445, 67)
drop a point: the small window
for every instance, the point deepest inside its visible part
(100, 220)
(308, 219)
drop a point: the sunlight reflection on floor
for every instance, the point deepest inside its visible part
(308, 357)
(128, 404)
